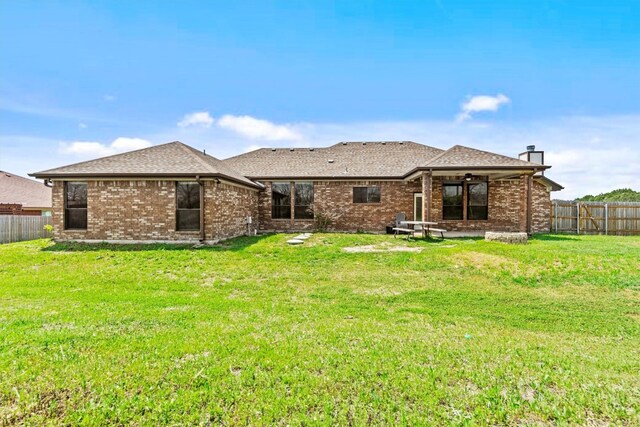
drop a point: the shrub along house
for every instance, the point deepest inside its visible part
(172, 192)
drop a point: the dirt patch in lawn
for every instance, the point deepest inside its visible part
(381, 248)
(482, 260)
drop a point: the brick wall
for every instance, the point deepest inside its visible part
(504, 206)
(145, 210)
(335, 199)
(541, 206)
(227, 208)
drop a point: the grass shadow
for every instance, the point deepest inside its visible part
(552, 237)
(235, 244)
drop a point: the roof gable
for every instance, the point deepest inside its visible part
(460, 156)
(171, 159)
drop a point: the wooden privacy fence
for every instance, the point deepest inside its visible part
(622, 218)
(16, 228)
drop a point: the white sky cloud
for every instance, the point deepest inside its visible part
(253, 128)
(199, 118)
(253, 147)
(110, 98)
(89, 149)
(476, 104)
(122, 143)
(588, 155)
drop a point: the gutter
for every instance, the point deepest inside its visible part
(535, 168)
(201, 183)
(393, 177)
(62, 176)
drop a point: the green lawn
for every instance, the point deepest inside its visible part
(255, 332)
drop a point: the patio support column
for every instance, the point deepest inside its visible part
(529, 203)
(292, 202)
(525, 211)
(426, 195)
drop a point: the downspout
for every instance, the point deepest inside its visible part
(529, 203)
(201, 183)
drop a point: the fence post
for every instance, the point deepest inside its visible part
(577, 217)
(606, 219)
(556, 215)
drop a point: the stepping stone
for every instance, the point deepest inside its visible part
(295, 242)
(302, 237)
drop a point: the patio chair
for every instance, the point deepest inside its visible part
(401, 228)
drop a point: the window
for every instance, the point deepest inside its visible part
(477, 200)
(477, 197)
(281, 200)
(75, 206)
(187, 206)
(366, 194)
(304, 200)
(452, 201)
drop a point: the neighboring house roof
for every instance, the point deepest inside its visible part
(15, 189)
(173, 159)
(391, 159)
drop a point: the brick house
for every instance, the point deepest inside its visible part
(23, 196)
(172, 192)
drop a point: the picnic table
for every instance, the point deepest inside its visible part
(425, 225)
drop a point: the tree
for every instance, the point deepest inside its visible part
(619, 195)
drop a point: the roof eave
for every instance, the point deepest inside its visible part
(464, 168)
(554, 186)
(323, 178)
(44, 175)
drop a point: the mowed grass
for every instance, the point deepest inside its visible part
(255, 332)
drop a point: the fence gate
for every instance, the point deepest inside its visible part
(622, 218)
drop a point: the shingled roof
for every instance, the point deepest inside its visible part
(173, 159)
(395, 159)
(15, 189)
(390, 159)
(347, 160)
(459, 156)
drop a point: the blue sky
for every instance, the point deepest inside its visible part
(83, 79)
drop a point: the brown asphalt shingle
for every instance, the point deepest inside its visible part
(15, 189)
(465, 157)
(342, 160)
(366, 160)
(171, 159)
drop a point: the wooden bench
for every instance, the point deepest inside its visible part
(437, 230)
(398, 230)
